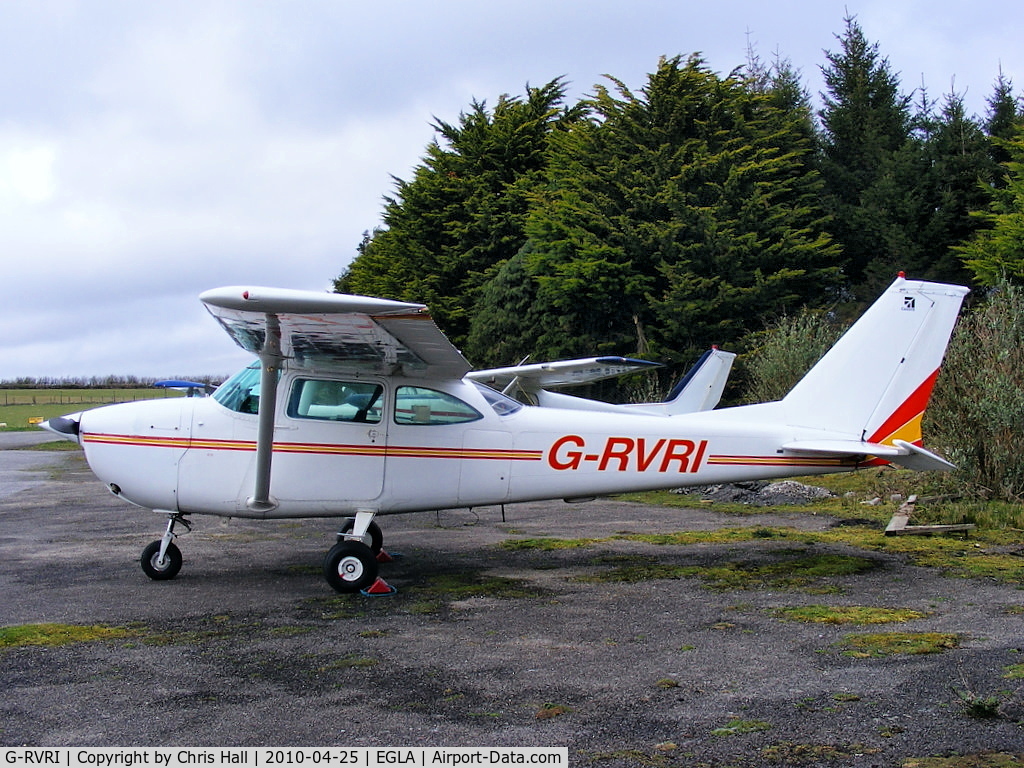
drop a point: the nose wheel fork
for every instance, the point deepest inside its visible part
(161, 560)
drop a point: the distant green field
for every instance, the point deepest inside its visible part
(18, 407)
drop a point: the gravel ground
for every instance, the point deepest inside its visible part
(250, 647)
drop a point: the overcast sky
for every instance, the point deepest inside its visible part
(152, 150)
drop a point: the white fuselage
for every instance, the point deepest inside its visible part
(419, 449)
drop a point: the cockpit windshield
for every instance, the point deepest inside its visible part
(503, 405)
(241, 392)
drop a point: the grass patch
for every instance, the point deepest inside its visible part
(873, 645)
(441, 590)
(943, 500)
(1014, 672)
(58, 634)
(543, 544)
(462, 586)
(738, 726)
(848, 614)
(350, 661)
(803, 572)
(845, 697)
(550, 711)
(632, 570)
(984, 554)
(992, 551)
(827, 506)
(793, 753)
(987, 760)
(53, 445)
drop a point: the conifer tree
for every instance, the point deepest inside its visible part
(1004, 113)
(865, 121)
(681, 216)
(996, 252)
(922, 201)
(462, 215)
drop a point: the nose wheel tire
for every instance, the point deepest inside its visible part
(374, 537)
(350, 566)
(157, 570)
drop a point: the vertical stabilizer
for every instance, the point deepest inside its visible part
(874, 384)
(701, 388)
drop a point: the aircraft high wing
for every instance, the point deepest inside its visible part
(359, 407)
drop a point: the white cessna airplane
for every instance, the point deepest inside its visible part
(359, 407)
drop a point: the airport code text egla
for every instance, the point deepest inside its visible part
(114, 757)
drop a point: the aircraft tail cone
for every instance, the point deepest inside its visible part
(379, 588)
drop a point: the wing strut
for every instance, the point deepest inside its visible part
(270, 362)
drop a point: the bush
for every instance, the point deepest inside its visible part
(976, 418)
(786, 351)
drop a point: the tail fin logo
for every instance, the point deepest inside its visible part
(909, 304)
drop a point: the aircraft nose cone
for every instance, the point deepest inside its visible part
(65, 426)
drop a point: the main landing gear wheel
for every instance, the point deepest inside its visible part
(350, 566)
(161, 570)
(374, 537)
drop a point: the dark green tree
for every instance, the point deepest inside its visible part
(678, 217)
(924, 195)
(865, 121)
(1004, 114)
(780, 82)
(462, 215)
(996, 251)
(507, 316)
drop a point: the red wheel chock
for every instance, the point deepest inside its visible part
(379, 588)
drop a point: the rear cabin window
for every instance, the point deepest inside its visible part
(357, 401)
(418, 405)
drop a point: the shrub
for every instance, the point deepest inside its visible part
(976, 417)
(786, 351)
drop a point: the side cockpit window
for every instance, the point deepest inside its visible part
(357, 401)
(419, 405)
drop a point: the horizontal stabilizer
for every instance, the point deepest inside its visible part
(547, 399)
(920, 459)
(901, 452)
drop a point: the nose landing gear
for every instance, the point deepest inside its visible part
(161, 560)
(351, 564)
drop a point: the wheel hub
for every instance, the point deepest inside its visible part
(350, 569)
